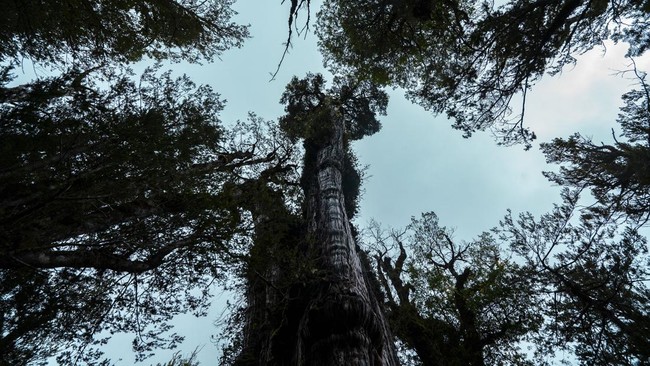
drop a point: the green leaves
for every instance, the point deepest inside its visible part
(470, 299)
(589, 279)
(310, 108)
(119, 31)
(118, 194)
(471, 60)
(616, 174)
(307, 114)
(597, 263)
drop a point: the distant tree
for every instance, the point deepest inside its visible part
(453, 303)
(572, 287)
(469, 59)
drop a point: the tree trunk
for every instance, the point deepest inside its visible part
(334, 318)
(343, 323)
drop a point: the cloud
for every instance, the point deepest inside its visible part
(584, 98)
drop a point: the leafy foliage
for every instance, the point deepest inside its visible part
(618, 174)
(310, 113)
(471, 59)
(454, 303)
(599, 266)
(57, 32)
(309, 107)
(179, 360)
(121, 198)
(592, 279)
(129, 195)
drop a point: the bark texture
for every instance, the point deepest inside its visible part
(330, 315)
(343, 323)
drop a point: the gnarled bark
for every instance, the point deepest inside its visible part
(343, 323)
(331, 316)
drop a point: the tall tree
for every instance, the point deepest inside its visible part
(119, 198)
(470, 60)
(325, 311)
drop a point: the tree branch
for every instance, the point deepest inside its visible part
(97, 259)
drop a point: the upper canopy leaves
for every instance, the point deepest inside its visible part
(52, 32)
(468, 59)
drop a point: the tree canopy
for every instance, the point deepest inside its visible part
(121, 196)
(132, 190)
(125, 198)
(96, 32)
(557, 283)
(453, 303)
(472, 60)
(616, 173)
(591, 276)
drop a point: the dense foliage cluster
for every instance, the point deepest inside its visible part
(470, 59)
(310, 110)
(453, 303)
(122, 197)
(617, 174)
(93, 32)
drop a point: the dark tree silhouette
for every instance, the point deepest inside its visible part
(469, 59)
(451, 302)
(119, 196)
(323, 310)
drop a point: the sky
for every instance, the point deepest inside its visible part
(417, 162)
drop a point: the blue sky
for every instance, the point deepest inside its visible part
(417, 162)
